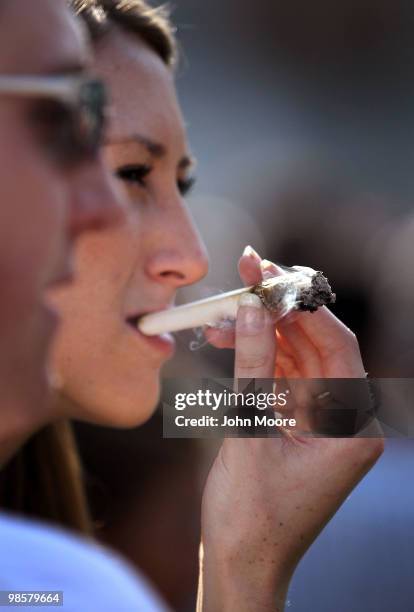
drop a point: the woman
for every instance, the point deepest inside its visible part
(106, 372)
(43, 211)
(53, 186)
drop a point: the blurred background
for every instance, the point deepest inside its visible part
(301, 116)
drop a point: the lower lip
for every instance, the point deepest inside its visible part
(164, 343)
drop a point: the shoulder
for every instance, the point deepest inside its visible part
(34, 556)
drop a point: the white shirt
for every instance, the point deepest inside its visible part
(36, 557)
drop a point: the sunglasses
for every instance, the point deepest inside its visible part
(71, 112)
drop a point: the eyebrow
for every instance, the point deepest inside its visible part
(155, 149)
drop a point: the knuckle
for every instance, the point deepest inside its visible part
(347, 342)
(351, 338)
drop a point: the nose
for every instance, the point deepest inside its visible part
(179, 257)
(96, 201)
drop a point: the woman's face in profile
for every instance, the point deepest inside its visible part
(36, 38)
(101, 363)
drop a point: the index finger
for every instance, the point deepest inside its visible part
(326, 332)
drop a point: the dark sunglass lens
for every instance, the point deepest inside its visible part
(92, 114)
(72, 133)
(55, 125)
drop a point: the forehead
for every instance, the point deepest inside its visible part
(40, 36)
(141, 87)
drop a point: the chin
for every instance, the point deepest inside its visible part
(122, 409)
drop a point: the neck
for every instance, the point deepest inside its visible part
(12, 437)
(18, 423)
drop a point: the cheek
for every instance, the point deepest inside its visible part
(95, 358)
(32, 217)
(91, 305)
(32, 224)
(107, 378)
(109, 255)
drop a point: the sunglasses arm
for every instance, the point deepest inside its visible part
(62, 88)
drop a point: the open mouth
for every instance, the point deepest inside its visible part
(160, 343)
(133, 321)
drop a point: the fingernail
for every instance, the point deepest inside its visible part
(250, 252)
(251, 300)
(268, 269)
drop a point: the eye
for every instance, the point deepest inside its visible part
(134, 173)
(185, 185)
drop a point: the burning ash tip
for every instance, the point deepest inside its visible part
(318, 294)
(309, 296)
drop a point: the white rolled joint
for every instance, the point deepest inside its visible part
(300, 289)
(196, 314)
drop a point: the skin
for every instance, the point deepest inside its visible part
(286, 489)
(104, 370)
(43, 209)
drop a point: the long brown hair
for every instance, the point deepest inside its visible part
(150, 24)
(44, 479)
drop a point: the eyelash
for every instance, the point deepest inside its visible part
(138, 173)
